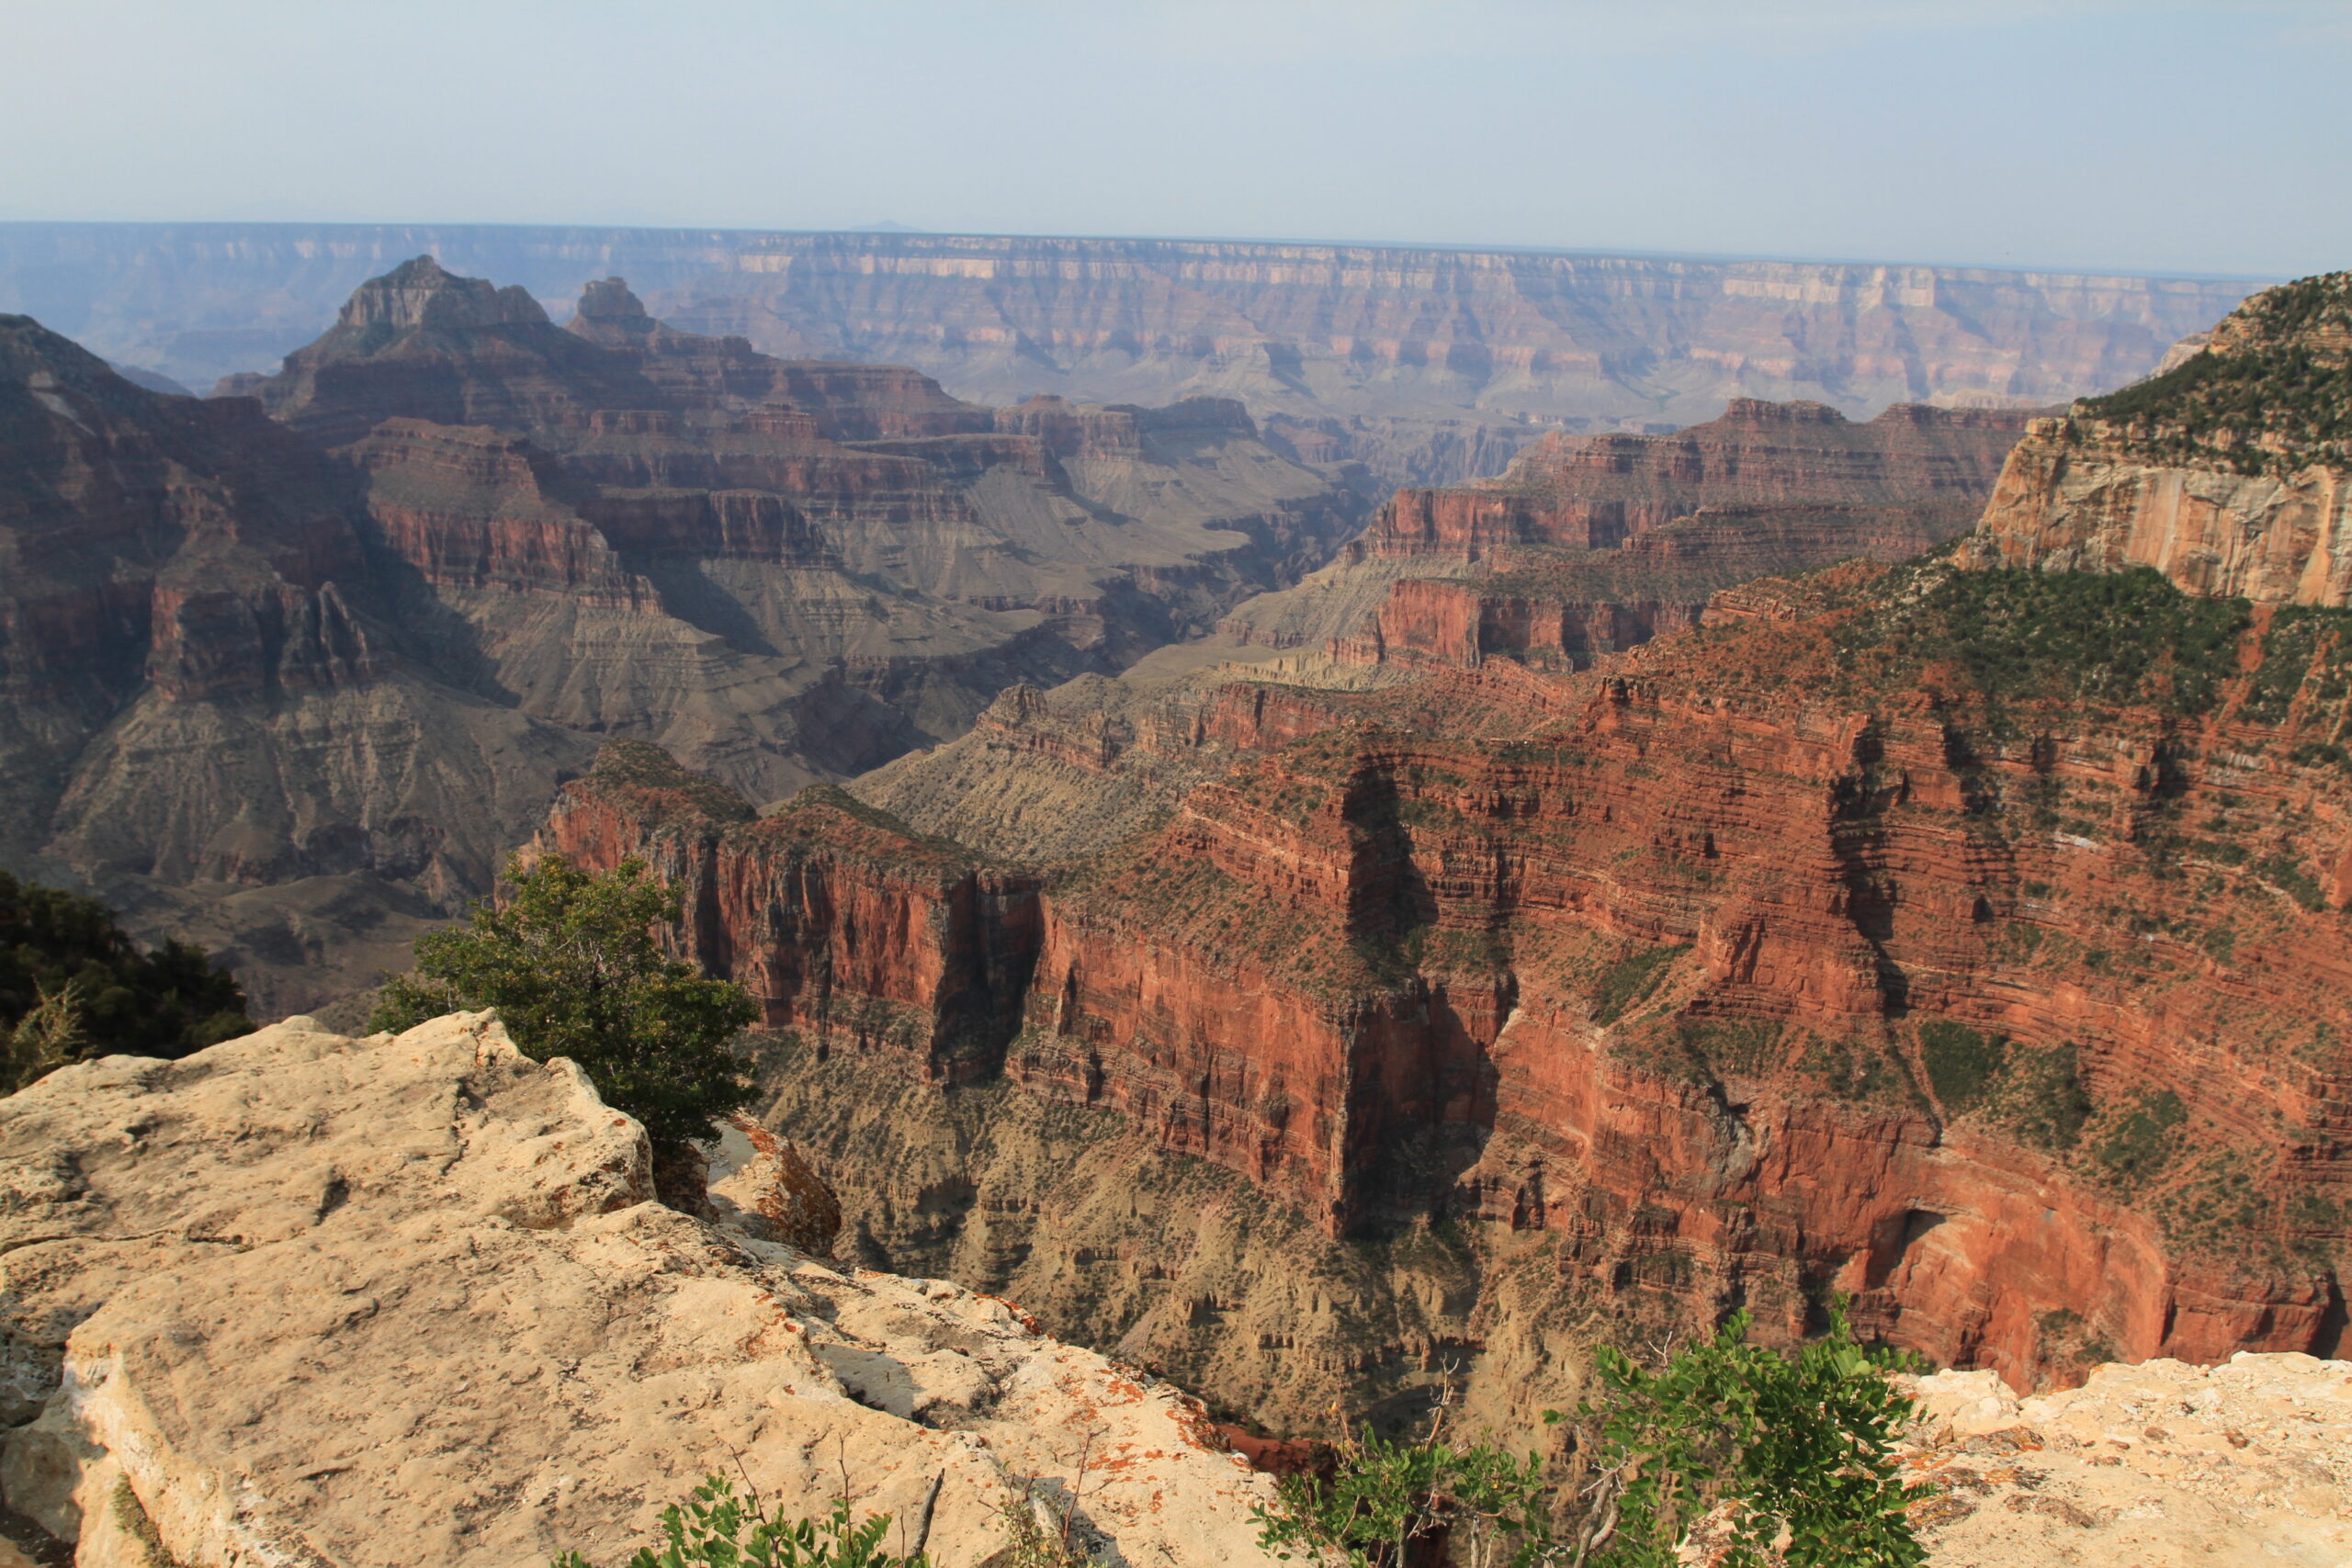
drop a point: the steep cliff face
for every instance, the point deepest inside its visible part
(2230, 472)
(1931, 466)
(204, 687)
(238, 662)
(1960, 941)
(1429, 366)
(1592, 545)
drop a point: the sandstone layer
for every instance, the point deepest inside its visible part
(1774, 962)
(1429, 365)
(2230, 471)
(395, 1301)
(1591, 544)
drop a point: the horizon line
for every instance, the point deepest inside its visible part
(905, 232)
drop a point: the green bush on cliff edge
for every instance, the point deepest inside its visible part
(570, 964)
(1748, 1454)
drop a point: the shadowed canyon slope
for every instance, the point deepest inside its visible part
(289, 668)
(1429, 366)
(1968, 939)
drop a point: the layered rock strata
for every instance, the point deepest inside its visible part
(406, 1299)
(296, 702)
(1745, 974)
(2078, 495)
(2230, 471)
(1589, 546)
(1429, 365)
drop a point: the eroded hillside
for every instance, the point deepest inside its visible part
(290, 675)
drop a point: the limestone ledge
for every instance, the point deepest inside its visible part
(305, 1300)
(2158, 1463)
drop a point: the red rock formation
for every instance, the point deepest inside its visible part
(834, 917)
(1598, 492)
(2078, 494)
(468, 507)
(1744, 989)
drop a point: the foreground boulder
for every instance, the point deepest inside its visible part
(310, 1300)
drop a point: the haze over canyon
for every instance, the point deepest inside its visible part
(1344, 825)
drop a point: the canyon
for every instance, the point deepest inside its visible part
(290, 667)
(1959, 936)
(1427, 365)
(1336, 959)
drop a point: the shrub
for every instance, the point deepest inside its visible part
(1801, 1444)
(570, 964)
(63, 958)
(717, 1529)
(1748, 1442)
(1383, 1500)
(1961, 1063)
(2042, 1099)
(1628, 983)
(2141, 1142)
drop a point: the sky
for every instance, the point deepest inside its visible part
(2142, 137)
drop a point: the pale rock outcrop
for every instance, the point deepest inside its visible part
(2076, 497)
(2156, 1465)
(407, 1300)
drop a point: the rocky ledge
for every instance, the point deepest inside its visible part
(301, 1299)
(2158, 1463)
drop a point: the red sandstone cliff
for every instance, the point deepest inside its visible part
(1933, 466)
(1758, 970)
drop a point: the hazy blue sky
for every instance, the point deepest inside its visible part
(2188, 136)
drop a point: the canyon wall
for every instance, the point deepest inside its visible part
(2079, 495)
(1592, 545)
(289, 669)
(1766, 965)
(2230, 471)
(1429, 365)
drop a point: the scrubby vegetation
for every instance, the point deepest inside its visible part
(1764, 1457)
(2279, 370)
(1755, 1444)
(1386, 1502)
(2016, 636)
(715, 1529)
(72, 985)
(570, 964)
(1631, 981)
(1961, 1063)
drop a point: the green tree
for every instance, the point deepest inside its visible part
(70, 977)
(570, 964)
(1798, 1445)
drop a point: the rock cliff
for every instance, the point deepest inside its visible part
(1594, 543)
(406, 1301)
(1950, 939)
(291, 685)
(1427, 364)
(2230, 472)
